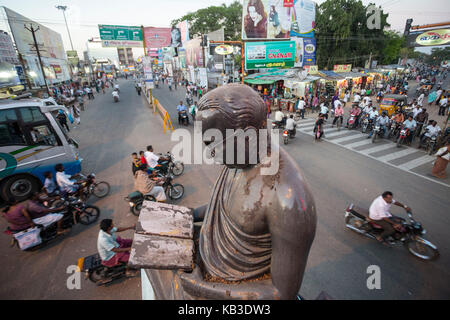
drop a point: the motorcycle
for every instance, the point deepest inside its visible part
(89, 187)
(98, 273)
(288, 134)
(376, 132)
(169, 167)
(184, 118)
(173, 190)
(366, 124)
(410, 234)
(116, 97)
(430, 145)
(351, 123)
(395, 130)
(279, 124)
(76, 211)
(404, 133)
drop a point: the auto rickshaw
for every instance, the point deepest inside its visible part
(391, 103)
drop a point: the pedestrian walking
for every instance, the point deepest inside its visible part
(440, 165)
(76, 114)
(443, 104)
(62, 120)
(80, 101)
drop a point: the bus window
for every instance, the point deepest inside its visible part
(11, 134)
(8, 115)
(43, 135)
(32, 114)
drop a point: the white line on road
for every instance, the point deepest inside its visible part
(377, 148)
(417, 162)
(358, 143)
(343, 139)
(338, 132)
(396, 155)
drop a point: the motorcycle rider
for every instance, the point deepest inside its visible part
(324, 109)
(148, 186)
(116, 87)
(421, 118)
(431, 130)
(280, 117)
(182, 108)
(115, 94)
(152, 159)
(290, 124)
(356, 112)
(410, 124)
(383, 121)
(338, 113)
(379, 213)
(111, 248)
(64, 180)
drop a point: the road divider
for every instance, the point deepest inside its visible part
(158, 108)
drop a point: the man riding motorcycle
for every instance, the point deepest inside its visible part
(356, 112)
(382, 120)
(432, 130)
(115, 94)
(379, 213)
(290, 124)
(181, 108)
(410, 124)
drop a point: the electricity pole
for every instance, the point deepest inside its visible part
(33, 32)
(64, 8)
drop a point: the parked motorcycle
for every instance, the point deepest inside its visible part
(410, 234)
(76, 211)
(173, 190)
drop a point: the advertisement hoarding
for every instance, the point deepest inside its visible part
(183, 26)
(278, 19)
(309, 51)
(120, 36)
(194, 56)
(436, 37)
(51, 45)
(342, 68)
(279, 54)
(157, 37)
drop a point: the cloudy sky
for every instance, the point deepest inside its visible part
(85, 15)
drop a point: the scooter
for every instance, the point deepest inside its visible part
(289, 134)
(184, 118)
(404, 133)
(409, 234)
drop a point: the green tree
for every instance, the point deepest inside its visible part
(343, 36)
(392, 49)
(213, 18)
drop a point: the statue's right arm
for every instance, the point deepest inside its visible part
(199, 213)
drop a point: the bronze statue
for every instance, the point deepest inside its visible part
(257, 229)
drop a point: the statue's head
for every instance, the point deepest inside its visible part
(236, 107)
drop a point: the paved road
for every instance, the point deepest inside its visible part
(339, 258)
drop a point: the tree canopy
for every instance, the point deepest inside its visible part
(215, 17)
(343, 36)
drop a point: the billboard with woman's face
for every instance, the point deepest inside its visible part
(270, 19)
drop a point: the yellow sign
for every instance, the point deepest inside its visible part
(224, 49)
(342, 68)
(434, 37)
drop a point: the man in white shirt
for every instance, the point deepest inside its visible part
(416, 110)
(151, 158)
(443, 106)
(420, 99)
(337, 103)
(279, 115)
(63, 180)
(290, 123)
(366, 100)
(379, 212)
(356, 98)
(324, 110)
(301, 107)
(373, 114)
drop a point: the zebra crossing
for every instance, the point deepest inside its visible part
(384, 150)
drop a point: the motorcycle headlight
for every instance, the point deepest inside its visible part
(424, 231)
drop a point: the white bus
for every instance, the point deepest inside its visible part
(31, 143)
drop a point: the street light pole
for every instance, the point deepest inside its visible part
(64, 8)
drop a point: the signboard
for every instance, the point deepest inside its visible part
(156, 37)
(7, 51)
(265, 19)
(436, 37)
(342, 68)
(303, 16)
(312, 69)
(279, 54)
(203, 77)
(183, 26)
(120, 36)
(309, 51)
(223, 49)
(278, 19)
(194, 55)
(72, 57)
(51, 45)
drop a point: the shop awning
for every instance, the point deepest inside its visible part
(351, 74)
(330, 75)
(259, 81)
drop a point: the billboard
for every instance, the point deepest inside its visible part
(342, 68)
(51, 45)
(280, 54)
(273, 19)
(194, 56)
(183, 26)
(157, 37)
(303, 16)
(120, 36)
(436, 37)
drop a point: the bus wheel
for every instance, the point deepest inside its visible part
(19, 187)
